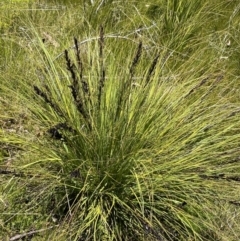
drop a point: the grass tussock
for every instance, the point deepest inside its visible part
(121, 137)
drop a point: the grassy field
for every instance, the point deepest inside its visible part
(119, 120)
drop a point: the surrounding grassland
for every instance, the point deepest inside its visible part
(120, 120)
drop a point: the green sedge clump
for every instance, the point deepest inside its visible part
(132, 154)
(129, 135)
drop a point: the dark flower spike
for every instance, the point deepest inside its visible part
(75, 89)
(70, 68)
(55, 130)
(102, 70)
(136, 59)
(80, 66)
(101, 42)
(47, 99)
(151, 69)
(197, 86)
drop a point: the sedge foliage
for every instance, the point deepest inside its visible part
(129, 153)
(130, 137)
